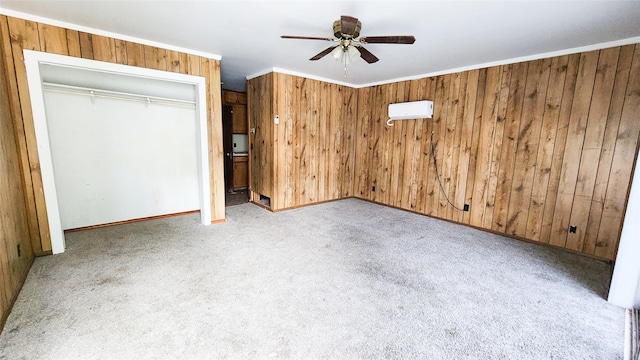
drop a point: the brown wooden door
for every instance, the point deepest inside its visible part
(227, 144)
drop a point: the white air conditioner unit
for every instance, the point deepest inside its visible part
(410, 110)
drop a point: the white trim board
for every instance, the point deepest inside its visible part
(628, 41)
(33, 59)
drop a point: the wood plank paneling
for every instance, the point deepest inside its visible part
(573, 147)
(483, 153)
(621, 167)
(475, 142)
(16, 254)
(363, 121)
(156, 58)
(315, 128)
(135, 56)
(467, 116)
(496, 151)
(176, 61)
(438, 133)
(333, 135)
(24, 35)
(533, 147)
(53, 39)
(306, 112)
(509, 146)
(104, 48)
(349, 108)
(260, 94)
(451, 144)
(73, 43)
(16, 111)
(454, 178)
(408, 187)
(86, 46)
(310, 175)
(426, 170)
(121, 51)
(395, 151)
(608, 147)
(548, 136)
(291, 104)
(216, 151)
(322, 141)
(374, 142)
(558, 150)
(592, 146)
(527, 149)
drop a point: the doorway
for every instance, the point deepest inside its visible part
(227, 143)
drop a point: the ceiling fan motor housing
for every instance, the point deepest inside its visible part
(337, 30)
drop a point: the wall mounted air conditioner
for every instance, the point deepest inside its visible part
(410, 110)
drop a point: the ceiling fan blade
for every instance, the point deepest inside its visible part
(404, 39)
(323, 53)
(306, 37)
(367, 55)
(348, 25)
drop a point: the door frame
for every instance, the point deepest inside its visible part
(33, 59)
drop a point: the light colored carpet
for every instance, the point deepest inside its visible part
(342, 280)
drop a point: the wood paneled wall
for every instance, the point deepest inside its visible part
(260, 94)
(14, 225)
(309, 154)
(18, 34)
(314, 141)
(532, 147)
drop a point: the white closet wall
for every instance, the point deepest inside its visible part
(625, 283)
(116, 160)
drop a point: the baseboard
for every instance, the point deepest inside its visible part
(131, 221)
(632, 335)
(311, 204)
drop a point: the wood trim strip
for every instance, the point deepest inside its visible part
(131, 221)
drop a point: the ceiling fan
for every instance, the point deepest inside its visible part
(346, 32)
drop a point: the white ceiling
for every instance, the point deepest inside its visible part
(449, 34)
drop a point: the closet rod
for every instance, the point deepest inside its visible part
(121, 94)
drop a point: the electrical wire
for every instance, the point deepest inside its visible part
(435, 164)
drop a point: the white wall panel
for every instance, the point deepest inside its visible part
(117, 160)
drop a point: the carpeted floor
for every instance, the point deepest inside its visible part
(341, 280)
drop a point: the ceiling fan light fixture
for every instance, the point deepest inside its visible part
(347, 32)
(337, 53)
(353, 52)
